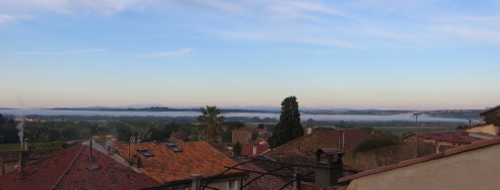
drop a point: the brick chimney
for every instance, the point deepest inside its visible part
(330, 167)
(24, 160)
(2, 167)
(309, 130)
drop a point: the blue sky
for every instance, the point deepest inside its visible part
(392, 54)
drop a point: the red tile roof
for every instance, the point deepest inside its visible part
(449, 152)
(352, 136)
(247, 129)
(180, 135)
(263, 183)
(247, 148)
(35, 154)
(461, 137)
(67, 169)
(168, 166)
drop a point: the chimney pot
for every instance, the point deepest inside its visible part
(24, 160)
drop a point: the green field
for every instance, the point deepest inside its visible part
(32, 145)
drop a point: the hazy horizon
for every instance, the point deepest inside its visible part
(390, 55)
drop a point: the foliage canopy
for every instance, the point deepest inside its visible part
(210, 123)
(289, 126)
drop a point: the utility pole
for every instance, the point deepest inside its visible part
(416, 114)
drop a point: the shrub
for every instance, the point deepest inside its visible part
(374, 143)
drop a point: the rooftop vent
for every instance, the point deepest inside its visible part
(145, 152)
(174, 147)
(93, 167)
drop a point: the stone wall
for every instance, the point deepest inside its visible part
(393, 154)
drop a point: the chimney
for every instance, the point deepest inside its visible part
(254, 150)
(309, 130)
(329, 167)
(196, 181)
(2, 167)
(24, 157)
(24, 160)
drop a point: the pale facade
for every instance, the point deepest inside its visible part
(486, 128)
(473, 169)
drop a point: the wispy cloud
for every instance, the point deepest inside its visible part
(168, 53)
(13, 17)
(106, 7)
(93, 50)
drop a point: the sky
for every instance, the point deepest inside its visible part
(361, 54)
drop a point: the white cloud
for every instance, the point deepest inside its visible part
(169, 53)
(13, 17)
(106, 7)
(92, 50)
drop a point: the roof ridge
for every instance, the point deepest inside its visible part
(69, 167)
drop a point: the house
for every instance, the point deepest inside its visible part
(9, 158)
(250, 149)
(491, 116)
(344, 139)
(484, 131)
(293, 169)
(174, 165)
(179, 136)
(443, 140)
(77, 167)
(472, 166)
(243, 134)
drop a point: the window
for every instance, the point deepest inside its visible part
(145, 152)
(174, 147)
(232, 185)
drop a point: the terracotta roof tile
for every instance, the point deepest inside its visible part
(247, 129)
(247, 149)
(461, 137)
(263, 183)
(67, 169)
(168, 166)
(449, 152)
(35, 154)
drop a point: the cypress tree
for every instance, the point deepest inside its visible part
(289, 126)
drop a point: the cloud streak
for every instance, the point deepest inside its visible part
(84, 51)
(169, 53)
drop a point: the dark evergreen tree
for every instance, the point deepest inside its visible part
(238, 147)
(289, 126)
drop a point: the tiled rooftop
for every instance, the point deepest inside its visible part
(179, 135)
(168, 166)
(247, 148)
(35, 154)
(247, 129)
(461, 137)
(352, 136)
(449, 152)
(67, 169)
(265, 182)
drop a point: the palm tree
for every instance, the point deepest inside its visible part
(210, 123)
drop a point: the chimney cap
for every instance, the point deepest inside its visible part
(329, 151)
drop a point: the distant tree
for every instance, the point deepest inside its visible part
(210, 123)
(254, 136)
(260, 126)
(289, 126)
(374, 143)
(237, 149)
(227, 136)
